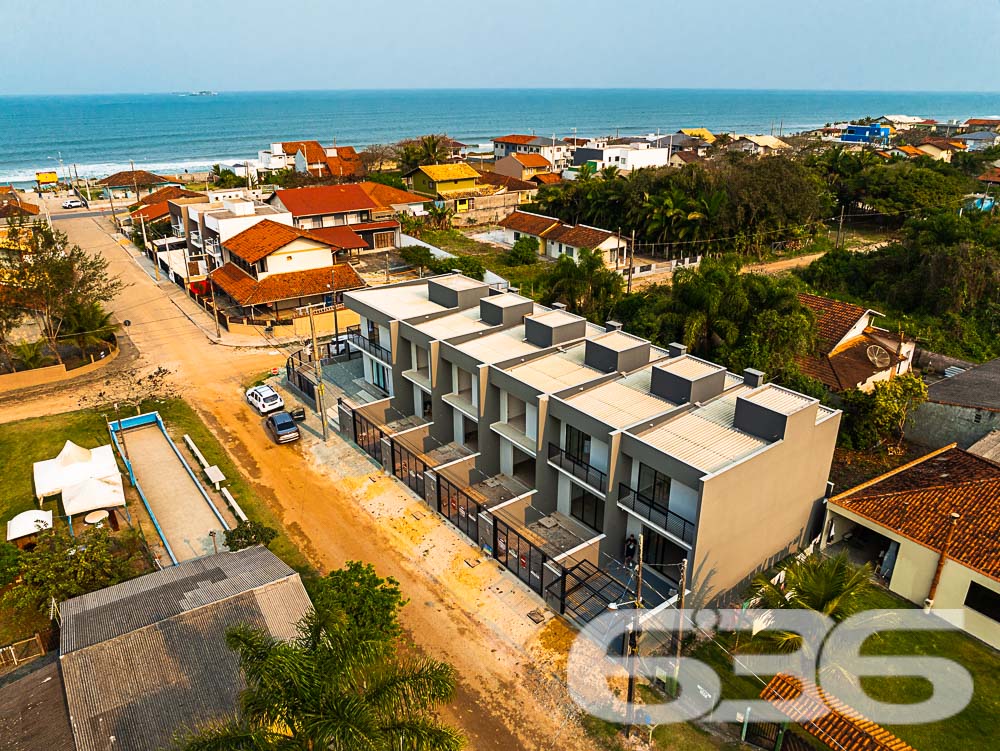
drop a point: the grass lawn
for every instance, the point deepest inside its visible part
(526, 277)
(975, 727)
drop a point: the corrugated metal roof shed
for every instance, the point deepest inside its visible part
(498, 346)
(622, 402)
(147, 658)
(779, 399)
(555, 371)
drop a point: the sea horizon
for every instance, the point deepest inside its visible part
(173, 131)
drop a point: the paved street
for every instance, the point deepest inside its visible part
(338, 506)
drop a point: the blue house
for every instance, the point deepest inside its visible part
(874, 133)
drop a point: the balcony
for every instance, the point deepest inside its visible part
(177, 230)
(195, 238)
(514, 430)
(656, 514)
(578, 468)
(374, 349)
(462, 401)
(212, 248)
(420, 376)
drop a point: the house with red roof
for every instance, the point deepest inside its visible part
(556, 239)
(851, 352)
(271, 269)
(321, 206)
(931, 529)
(523, 166)
(311, 157)
(558, 152)
(130, 185)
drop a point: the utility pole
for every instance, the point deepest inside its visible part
(840, 228)
(631, 262)
(681, 591)
(336, 324)
(632, 645)
(318, 361)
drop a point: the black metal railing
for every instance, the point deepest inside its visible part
(656, 513)
(591, 475)
(374, 349)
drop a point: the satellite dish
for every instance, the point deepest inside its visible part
(878, 356)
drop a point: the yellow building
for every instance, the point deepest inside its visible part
(703, 133)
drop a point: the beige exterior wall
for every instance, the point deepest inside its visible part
(914, 571)
(758, 511)
(298, 255)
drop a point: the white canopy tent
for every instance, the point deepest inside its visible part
(87, 478)
(28, 523)
(94, 493)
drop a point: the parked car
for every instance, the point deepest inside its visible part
(73, 203)
(282, 427)
(265, 399)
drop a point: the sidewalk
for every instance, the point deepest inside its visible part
(198, 315)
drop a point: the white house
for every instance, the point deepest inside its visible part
(558, 153)
(557, 239)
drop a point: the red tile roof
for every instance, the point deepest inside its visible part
(246, 290)
(580, 236)
(505, 181)
(984, 121)
(368, 226)
(530, 224)
(169, 193)
(833, 318)
(546, 178)
(342, 237)
(837, 725)
(917, 499)
(264, 238)
(387, 196)
(515, 139)
(313, 150)
(347, 163)
(325, 199)
(849, 366)
(532, 160)
(152, 212)
(126, 179)
(18, 208)
(990, 176)
(910, 150)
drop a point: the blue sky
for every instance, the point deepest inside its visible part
(145, 46)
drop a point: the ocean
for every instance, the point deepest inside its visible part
(172, 132)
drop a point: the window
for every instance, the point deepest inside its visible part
(577, 444)
(983, 600)
(586, 507)
(380, 376)
(654, 485)
(661, 554)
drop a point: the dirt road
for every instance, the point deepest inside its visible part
(338, 506)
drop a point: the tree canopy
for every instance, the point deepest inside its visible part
(341, 685)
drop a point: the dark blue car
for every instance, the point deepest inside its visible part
(282, 427)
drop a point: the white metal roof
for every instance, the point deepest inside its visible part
(555, 371)
(622, 402)
(619, 341)
(779, 399)
(497, 346)
(688, 366)
(457, 282)
(456, 324)
(705, 437)
(397, 302)
(555, 317)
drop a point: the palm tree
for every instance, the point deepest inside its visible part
(833, 586)
(31, 354)
(89, 325)
(712, 303)
(330, 689)
(440, 215)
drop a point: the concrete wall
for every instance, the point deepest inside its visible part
(298, 255)
(935, 425)
(758, 511)
(51, 374)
